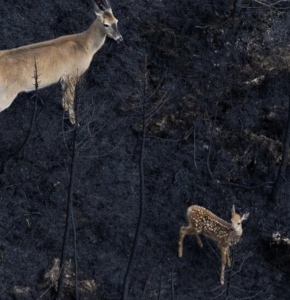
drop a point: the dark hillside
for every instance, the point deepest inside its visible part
(222, 88)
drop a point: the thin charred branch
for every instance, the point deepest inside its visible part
(142, 185)
(69, 213)
(68, 220)
(147, 108)
(267, 4)
(173, 281)
(99, 155)
(281, 175)
(75, 256)
(160, 105)
(141, 210)
(194, 146)
(245, 186)
(209, 150)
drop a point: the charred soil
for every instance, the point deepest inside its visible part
(221, 88)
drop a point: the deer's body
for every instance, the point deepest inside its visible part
(205, 222)
(53, 63)
(63, 59)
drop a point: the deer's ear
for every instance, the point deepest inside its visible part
(233, 209)
(96, 9)
(245, 216)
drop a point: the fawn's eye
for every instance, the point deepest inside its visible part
(239, 223)
(106, 25)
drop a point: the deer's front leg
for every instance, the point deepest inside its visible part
(224, 261)
(229, 258)
(64, 102)
(198, 239)
(68, 86)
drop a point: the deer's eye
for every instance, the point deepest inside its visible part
(107, 25)
(238, 223)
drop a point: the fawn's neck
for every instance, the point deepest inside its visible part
(235, 236)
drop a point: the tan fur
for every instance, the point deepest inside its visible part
(63, 59)
(225, 234)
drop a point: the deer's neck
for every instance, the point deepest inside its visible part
(95, 36)
(235, 236)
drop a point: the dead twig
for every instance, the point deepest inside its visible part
(9, 232)
(209, 149)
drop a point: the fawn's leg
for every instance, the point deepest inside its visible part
(224, 261)
(229, 258)
(198, 239)
(182, 233)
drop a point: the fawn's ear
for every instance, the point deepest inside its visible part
(233, 210)
(245, 216)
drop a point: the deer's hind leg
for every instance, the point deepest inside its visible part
(6, 98)
(198, 239)
(182, 233)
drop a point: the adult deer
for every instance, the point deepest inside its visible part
(62, 60)
(225, 234)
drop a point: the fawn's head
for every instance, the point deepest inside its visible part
(237, 220)
(105, 14)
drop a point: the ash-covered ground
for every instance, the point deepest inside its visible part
(220, 90)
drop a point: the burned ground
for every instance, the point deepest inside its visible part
(224, 89)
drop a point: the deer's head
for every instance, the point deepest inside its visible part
(105, 14)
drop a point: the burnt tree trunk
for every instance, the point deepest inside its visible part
(281, 175)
